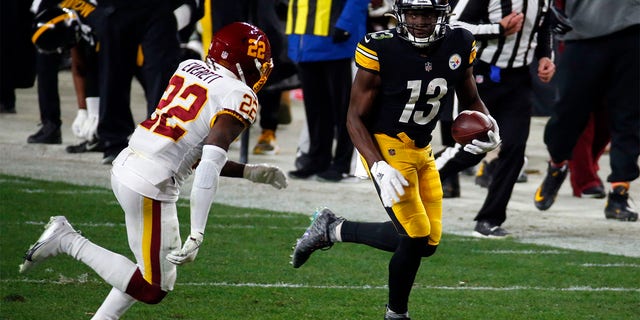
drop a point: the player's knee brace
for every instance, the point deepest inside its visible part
(143, 291)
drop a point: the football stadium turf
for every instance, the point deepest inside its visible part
(242, 270)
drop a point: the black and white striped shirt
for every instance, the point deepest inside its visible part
(482, 18)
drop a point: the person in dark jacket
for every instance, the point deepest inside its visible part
(322, 42)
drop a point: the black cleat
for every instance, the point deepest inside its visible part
(85, 146)
(548, 190)
(594, 192)
(617, 207)
(48, 133)
(485, 229)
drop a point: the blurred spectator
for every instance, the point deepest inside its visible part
(583, 165)
(599, 63)
(59, 31)
(47, 65)
(322, 40)
(269, 16)
(511, 35)
(17, 54)
(136, 38)
(380, 15)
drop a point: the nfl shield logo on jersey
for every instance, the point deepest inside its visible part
(428, 66)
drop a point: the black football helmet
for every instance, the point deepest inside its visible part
(245, 50)
(425, 33)
(55, 29)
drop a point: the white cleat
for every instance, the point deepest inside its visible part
(48, 245)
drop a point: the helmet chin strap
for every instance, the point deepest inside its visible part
(423, 42)
(240, 73)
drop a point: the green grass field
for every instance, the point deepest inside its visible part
(243, 271)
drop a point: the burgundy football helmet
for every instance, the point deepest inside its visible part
(245, 50)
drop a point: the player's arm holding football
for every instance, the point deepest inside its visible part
(363, 92)
(469, 99)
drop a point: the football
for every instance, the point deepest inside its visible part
(470, 125)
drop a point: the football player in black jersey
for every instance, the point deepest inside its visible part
(404, 76)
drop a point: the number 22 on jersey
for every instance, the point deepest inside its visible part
(164, 120)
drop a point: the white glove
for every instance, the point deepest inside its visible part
(479, 147)
(78, 122)
(265, 173)
(183, 16)
(90, 126)
(390, 181)
(189, 250)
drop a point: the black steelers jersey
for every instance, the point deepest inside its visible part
(415, 84)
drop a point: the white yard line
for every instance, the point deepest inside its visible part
(84, 279)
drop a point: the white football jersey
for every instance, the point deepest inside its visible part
(164, 148)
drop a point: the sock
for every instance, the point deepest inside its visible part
(558, 164)
(625, 184)
(114, 306)
(335, 234)
(403, 268)
(114, 268)
(380, 235)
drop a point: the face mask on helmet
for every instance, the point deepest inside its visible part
(421, 22)
(55, 30)
(245, 50)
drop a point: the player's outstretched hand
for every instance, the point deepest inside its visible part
(479, 147)
(390, 181)
(189, 250)
(265, 173)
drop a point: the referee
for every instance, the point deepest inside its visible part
(511, 35)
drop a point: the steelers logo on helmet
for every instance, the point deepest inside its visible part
(421, 22)
(245, 50)
(55, 29)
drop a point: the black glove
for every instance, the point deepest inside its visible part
(340, 35)
(560, 23)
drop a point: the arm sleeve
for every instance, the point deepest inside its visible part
(544, 39)
(473, 15)
(205, 185)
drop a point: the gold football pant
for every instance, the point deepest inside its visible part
(419, 212)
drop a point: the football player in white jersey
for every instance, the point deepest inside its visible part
(205, 107)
